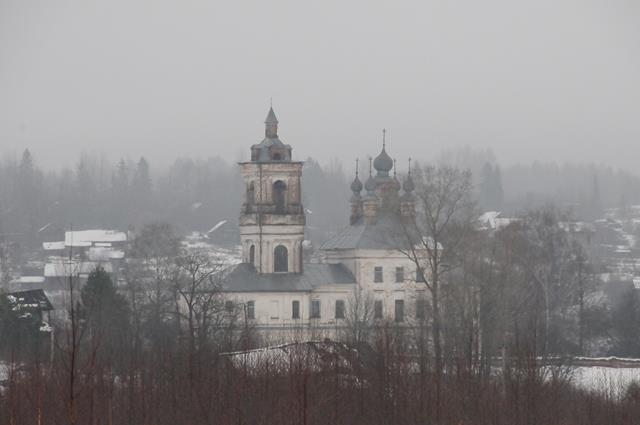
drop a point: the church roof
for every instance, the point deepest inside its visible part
(271, 117)
(388, 232)
(244, 278)
(262, 152)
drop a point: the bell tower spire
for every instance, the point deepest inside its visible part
(271, 124)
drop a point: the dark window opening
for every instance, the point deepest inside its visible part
(399, 311)
(399, 274)
(377, 309)
(228, 305)
(295, 309)
(315, 309)
(276, 157)
(377, 274)
(280, 259)
(339, 309)
(420, 276)
(279, 190)
(421, 307)
(250, 194)
(252, 255)
(251, 310)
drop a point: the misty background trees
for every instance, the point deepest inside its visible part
(195, 194)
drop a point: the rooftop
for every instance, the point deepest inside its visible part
(244, 278)
(388, 232)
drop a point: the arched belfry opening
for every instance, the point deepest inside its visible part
(280, 259)
(279, 196)
(250, 197)
(252, 255)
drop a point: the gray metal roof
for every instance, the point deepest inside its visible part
(389, 232)
(244, 278)
(271, 117)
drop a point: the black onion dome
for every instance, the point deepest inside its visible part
(356, 185)
(383, 163)
(370, 184)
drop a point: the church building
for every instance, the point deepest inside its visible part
(281, 293)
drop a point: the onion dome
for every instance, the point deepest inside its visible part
(370, 185)
(408, 185)
(356, 185)
(383, 162)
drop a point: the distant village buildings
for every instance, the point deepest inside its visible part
(74, 257)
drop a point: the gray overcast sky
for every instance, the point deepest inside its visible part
(537, 79)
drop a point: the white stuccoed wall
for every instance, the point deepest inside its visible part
(362, 264)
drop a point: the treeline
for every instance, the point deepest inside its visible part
(191, 194)
(585, 189)
(195, 194)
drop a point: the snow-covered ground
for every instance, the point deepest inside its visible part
(606, 380)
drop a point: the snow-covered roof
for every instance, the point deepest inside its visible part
(73, 268)
(488, 219)
(316, 354)
(31, 279)
(88, 237)
(491, 220)
(99, 253)
(53, 246)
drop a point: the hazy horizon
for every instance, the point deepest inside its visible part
(547, 80)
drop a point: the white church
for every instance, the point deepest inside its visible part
(279, 291)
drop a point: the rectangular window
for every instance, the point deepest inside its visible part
(399, 274)
(419, 275)
(421, 307)
(295, 309)
(228, 305)
(399, 311)
(251, 310)
(315, 309)
(377, 274)
(377, 309)
(339, 309)
(275, 309)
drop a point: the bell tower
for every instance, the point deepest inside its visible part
(272, 217)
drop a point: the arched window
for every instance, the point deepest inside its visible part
(276, 157)
(252, 255)
(279, 189)
(250, 197)
(280, 259)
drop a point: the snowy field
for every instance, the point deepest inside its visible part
(606, 380)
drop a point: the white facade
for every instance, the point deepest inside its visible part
(293, 300)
